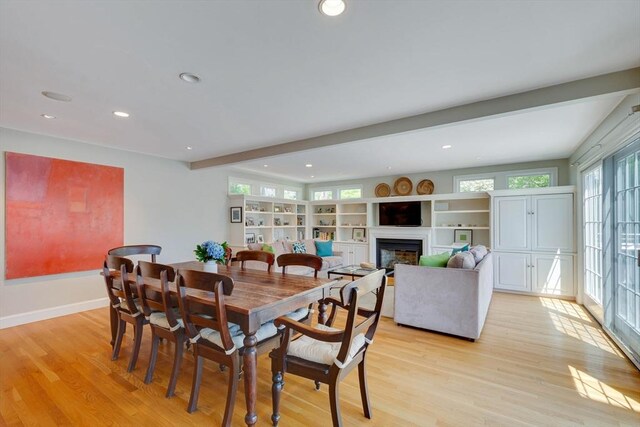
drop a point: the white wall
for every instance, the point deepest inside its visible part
(165, 204)
(443, 180)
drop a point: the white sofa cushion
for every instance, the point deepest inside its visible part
(323, 352)
(331, 262)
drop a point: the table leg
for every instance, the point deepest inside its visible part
(250, 364)
(322, 312)
(113, 321)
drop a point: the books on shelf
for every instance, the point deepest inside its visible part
(324, 235)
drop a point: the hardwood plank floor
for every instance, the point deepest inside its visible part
(539, 362)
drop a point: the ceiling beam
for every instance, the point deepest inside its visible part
(620, 81)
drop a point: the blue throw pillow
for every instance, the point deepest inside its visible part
(299, 248)
(324, 248)
(462, 249)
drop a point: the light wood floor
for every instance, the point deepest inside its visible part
(538, 362)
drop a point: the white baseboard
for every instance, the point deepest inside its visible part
(49, 313)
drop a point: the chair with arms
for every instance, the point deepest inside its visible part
(305, 260)
(124, 304)
(262, 256)
(164, 317)
(325, 354)
(130, 250)
(208, 331)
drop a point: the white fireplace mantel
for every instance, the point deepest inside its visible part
(417, 233)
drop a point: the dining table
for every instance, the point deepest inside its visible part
(257, 297)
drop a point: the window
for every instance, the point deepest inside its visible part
(351, 193)
(592, 223)
(323, 195)
(238, 188)
(469, 185)
(291, 194)
(530, 178)
(529, 181)
(268, 191)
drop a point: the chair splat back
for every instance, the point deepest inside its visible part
(306, 260)
(152, 250)
(262, 256)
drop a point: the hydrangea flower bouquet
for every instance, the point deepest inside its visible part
(211, 251)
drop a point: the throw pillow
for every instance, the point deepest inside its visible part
(268, 248)
(478, 252)
(438, 260)
(462, 249)
(462, 260)
(324, 248)
(299, 248)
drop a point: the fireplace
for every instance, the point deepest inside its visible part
(390, 252)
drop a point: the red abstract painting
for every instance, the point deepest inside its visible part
(61, 216)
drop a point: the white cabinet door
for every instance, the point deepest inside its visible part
(511, 271)
(360, 254)
(552, 223)
(552, 274)
(511, 223)
(344, 248)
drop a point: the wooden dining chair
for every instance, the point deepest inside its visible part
(325, 354)
(262, 256)
(125, 305)
(163, 316)
(302, 314)
(206, 326)
(305, 260)
(124, 251)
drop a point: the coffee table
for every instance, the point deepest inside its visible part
(353, 271)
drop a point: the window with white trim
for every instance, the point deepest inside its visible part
(290, 194)
(480, 184)
(535, 180)
(322, 195)
(268, 191)
(335, 193)
(530, 178)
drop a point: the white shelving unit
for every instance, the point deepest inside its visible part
(268, 219)
(466, 211)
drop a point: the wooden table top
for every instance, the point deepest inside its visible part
(258, 296)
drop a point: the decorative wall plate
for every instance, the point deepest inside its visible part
(403, 186)
(425, 187)
(383, 190)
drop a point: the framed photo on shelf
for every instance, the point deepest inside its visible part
(358, 234)
(260, 238)
(462, 235)
(249, 238)
(236, 214)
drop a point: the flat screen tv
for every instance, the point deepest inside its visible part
(402, 214)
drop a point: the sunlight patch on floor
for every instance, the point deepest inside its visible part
(566, 307)
(594, 389)
(570, 319)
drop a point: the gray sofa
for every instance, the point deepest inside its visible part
(284, 247)
(450, 300)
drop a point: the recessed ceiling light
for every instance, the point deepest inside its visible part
(266, 166)
(331, 7)
(446, 147)
(56, 96)
(313, 176)
(121, 114)
(48, 116)
(308, 165)
(388, 167)
(189, 78)
(188, 147)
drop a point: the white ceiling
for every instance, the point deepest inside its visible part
(277, 71)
